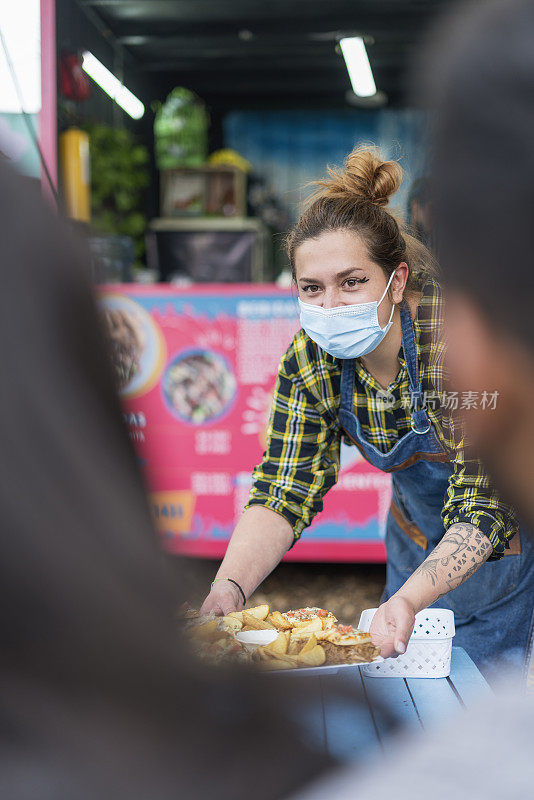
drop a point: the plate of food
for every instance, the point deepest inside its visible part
(306, 640)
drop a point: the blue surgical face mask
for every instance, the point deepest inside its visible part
(345, 331)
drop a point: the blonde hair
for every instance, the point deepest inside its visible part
(354, 198)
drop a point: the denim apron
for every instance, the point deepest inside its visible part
(493, 609)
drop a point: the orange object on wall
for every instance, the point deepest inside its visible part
(75, 170)
(173, 511)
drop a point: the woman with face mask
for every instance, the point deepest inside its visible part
(367, 367)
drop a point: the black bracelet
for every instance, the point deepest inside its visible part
(240, 589)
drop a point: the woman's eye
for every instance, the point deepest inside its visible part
(351, 283)
(311, 288)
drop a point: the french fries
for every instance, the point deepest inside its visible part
(310, 644)
(259, 612)
(232, 624)
(279, 621)
(277, 656)
(305, 631)
(307, 637)
(253, 623)
(279, 646)
(294, 647)
(312, 658)
(272, 664)
(311, 637)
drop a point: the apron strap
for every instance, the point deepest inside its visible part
(348, 379)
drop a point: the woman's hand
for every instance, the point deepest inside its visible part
(392, 626)
(445, 568)
(223, 598)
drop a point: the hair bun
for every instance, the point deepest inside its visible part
(365, 175)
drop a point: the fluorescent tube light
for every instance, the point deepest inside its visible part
(112, 86)
(360, 74)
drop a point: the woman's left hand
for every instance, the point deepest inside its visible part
(392, 626)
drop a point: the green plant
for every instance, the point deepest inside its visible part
(180, 130)
(119, 176)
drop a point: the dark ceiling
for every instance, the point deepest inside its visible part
(266, 53)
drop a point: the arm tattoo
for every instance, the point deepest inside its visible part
(461, 552)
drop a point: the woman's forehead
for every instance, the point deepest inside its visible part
(333, 251)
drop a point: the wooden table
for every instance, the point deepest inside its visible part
(346, 729)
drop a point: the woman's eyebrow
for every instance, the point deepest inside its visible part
(343, 274)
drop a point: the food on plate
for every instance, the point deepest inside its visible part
(307, 637)
(277, 656)
(310, 644)
(315, 657)
(213, 638)
(294, 647)
(344, 644)
(207, 631)
(224, 650)
(311, 637)
(260, 612)
(252, 619)
(305, 631)
(304, 617)
(279, 621)
(250, 622)
(232, 624)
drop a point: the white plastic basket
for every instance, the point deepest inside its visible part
(428, 654)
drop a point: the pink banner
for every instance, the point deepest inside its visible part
(48, 115)
(196, 370)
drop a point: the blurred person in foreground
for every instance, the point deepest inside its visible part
(482, 66)
(420, 210)
(99, 697)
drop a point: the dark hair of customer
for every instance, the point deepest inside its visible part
(99, 696)
(419, 210)
(482, 84)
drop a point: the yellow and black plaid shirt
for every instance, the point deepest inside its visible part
(301, 462)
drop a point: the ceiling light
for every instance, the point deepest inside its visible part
(112, 86)
(377, 100)
(360, 74)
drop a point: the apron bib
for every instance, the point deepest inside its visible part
(494, 608)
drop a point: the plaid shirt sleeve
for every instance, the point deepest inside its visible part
(471, 497)
(301, 462)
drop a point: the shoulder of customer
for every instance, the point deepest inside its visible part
(465, 758)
